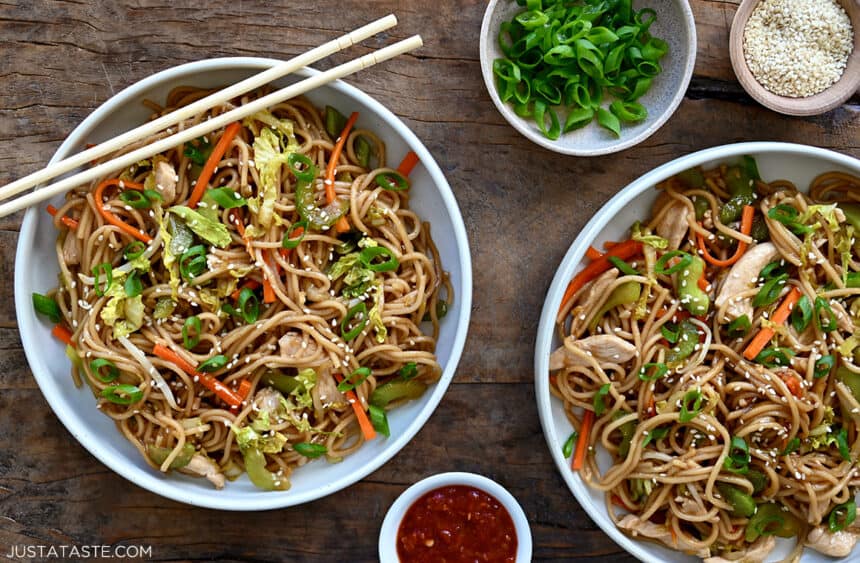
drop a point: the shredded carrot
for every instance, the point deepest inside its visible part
(704, 284)
(98, 197)
(582, 441)
(592, 253)
(674, 534)
(212, 163)
(779, 316)
(746, 228)
(67, 221)
(619, 502)
(222, 391)
(62, 333)
(250, 284)
(792, 382)
(609, 244)
(408, 163)
(342, 224)
(268, 289)
(363, 422)
(623, 250)
(244, 389)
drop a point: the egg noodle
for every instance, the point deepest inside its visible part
(253, 299)
(715, 356)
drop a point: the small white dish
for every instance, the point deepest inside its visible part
(391, 524)
(798, 163)
(674, 24)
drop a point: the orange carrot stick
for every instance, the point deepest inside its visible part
(98, 196)
(582, 441)
(62, 334)
(592, 253)
(250, 284)
(212, 163)
(622, 250)
(342, 224)
(408, 163)
(222, 391)
(779, 316)
(67, 221)
(360, 415)
(746, 228)
(268, 290)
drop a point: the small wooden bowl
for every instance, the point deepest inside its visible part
(816, 104)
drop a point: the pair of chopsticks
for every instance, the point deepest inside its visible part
(206, 127)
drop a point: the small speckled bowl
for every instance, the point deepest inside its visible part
(674, 24)
(391, 524)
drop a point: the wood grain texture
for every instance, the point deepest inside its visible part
(59, 60)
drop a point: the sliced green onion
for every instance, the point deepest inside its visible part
(823, 366)
(408, 371)
(599, 401)
(772, 270)
(310, 450)
(792, 446)
(739, 327)
(335, 121)
(770, 291)
(303, 167)
(691, 406)
(738, 460)
(135, 199)
(226, 197)
(122, 394)
(98, 270)
(654, 435)
(133, 286)
(630, 112)
(354, 380)
(441, 310)
(842, 516)
(842, 444)
(379, 420)
(662, 267)
(622, 266)
(825, 318)
(213, 364)
(775, 356)
(788, 216)
(392, 181)
(367, 256)
(192, 325)
(192, 263)
(295, 235)
(670, 334)
(608, 121)
(46, 306)
(248, 305)
(104, 375)
(135, 249)
(801, 314)
(358, 311)
(659, 370)
(567, 449)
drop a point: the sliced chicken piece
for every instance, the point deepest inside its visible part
(836, 544)
(293, 345)
(325, 393)
(604, 348)
(165, 181)
(674, 224)
(756, 553)
(595, 294)
(71, 250)
(268, 400)
(661, 533)
(205, 467)
(743, 276)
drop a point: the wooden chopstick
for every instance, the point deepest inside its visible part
(199, 106)
(206, 127)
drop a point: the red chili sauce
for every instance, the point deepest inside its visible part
(456, 524)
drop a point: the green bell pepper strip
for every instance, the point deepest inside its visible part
(742, 503)
(691, 296)
(741, 187)
(625, 294)
(317, 218)
(852, 213)
(842, 516)
(850, 380)
(284, 383)
(771, 520)
(255, 467)
(688, 338)
(396, 390)
(158, 455)
(310, 450)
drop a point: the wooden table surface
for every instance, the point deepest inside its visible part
(60, 60)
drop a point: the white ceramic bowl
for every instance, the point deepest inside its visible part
(391, 524)
(36, 270)
(798, 163)
(674, 24)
